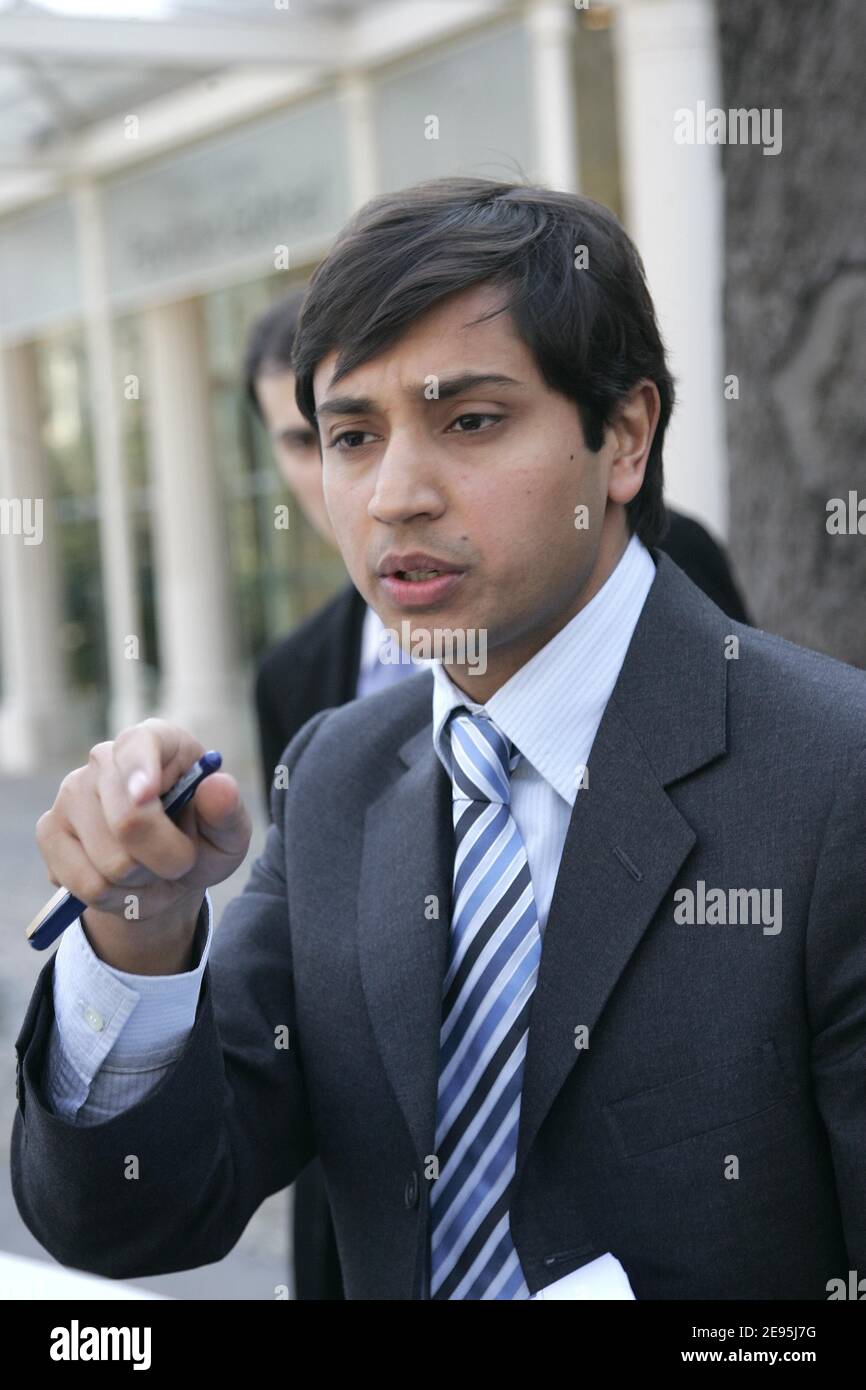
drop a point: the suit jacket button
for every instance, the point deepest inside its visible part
(410, 1191)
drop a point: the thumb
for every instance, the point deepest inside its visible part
(221, 816)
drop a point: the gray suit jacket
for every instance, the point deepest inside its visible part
(712, 1134)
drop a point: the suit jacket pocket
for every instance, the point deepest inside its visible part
(716, 1096)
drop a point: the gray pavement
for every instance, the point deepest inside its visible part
(259, 1262)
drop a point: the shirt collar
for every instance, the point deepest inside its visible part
(552, 706)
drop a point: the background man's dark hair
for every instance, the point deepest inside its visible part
(269, 347)
(592, 331)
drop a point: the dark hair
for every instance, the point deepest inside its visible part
(269, 346)
(592, 331)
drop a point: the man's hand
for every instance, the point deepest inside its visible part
(107, 838)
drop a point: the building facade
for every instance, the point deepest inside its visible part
(140, 568)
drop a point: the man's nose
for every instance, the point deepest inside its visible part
(406, 482)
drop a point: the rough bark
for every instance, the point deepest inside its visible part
(795, 315)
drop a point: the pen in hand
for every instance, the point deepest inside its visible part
(64, 908)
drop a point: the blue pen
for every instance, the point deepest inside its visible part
(63, 909)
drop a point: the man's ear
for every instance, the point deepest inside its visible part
(631, 435)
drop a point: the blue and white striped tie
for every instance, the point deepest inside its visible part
(494, 951)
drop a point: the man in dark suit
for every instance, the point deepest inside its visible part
(329, 659)
(566, 935)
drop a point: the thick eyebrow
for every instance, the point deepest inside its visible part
(448, 387)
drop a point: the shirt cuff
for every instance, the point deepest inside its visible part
(105, 1014)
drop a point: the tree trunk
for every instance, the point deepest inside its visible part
(795, 296)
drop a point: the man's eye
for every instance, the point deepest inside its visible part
(342, 441)
(473, 422)
(470, 424)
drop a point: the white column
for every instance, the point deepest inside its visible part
(551, 28)
(667, 61)
(32, 723)
(357, 94)
(202, 687)
(127, 696)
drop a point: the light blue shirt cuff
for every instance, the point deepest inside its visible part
(105, 1014)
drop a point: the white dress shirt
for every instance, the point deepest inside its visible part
(116, 1034)
(551, 709)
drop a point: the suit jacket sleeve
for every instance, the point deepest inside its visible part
(171, 1182)
(836, 988)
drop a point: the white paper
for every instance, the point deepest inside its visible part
(601, 1278)
(23, 1278)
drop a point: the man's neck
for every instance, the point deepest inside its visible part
(505, 660)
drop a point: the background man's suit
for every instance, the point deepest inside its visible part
(316, 668)
(706, 1043)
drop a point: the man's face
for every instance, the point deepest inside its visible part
(486, 478)
(295, 445)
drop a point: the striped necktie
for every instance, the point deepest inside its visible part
(493, 956)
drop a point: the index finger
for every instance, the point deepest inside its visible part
(151, 756)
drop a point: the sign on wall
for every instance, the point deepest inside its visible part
(227, 201)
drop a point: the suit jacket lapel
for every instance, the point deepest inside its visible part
(406, 872)
(626, 840)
